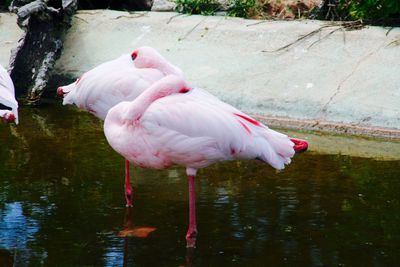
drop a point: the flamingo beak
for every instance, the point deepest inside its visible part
(299, 145)
(9, 117)
(60, 92)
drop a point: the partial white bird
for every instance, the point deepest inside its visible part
(8, 103)
(171, 123)
(122, 79)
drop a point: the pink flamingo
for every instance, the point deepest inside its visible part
(8, 103)
(172, 123)
(122, 79)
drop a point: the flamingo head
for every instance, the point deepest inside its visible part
(66, 92)
(60, 92)
(148, 57)
(169, 85)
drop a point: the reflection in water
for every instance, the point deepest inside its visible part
(6, 258)
(115, 257)
(130, 230)
(62, 204)
(16, 230)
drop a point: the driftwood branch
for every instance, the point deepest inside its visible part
(33, 60)
(343, 26)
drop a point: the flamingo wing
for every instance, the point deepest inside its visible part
(7, 92)
(108, 84)
(196, 129)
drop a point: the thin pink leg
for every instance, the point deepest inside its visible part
(192, 231)
(128, 186)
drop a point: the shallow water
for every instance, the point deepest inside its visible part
(62, 204)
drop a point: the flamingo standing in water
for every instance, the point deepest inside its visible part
(8, 103)
(122, 79)
(173, 123)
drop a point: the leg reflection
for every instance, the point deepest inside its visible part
(130, 230)
(189, 257)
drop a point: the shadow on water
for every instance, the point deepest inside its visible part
(62, 204)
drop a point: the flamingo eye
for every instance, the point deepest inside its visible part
(184, 90)
(134, 55)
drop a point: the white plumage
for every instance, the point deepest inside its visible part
(171, 123)
(7, 97)
(117, 80)
(122, 79)
(163, 127)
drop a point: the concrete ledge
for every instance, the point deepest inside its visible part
(284, 90)
(361, 147)
(332, 81)
(10, 33)
(340, 80)
(330, 127)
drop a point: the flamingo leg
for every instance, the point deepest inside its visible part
(192, 231)
(128, 186)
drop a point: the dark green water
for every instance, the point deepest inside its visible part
(62, 204)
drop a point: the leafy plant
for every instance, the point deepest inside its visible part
(371, 10)
(241, 8)
(204, 7)
(6, 3)
(368, 11)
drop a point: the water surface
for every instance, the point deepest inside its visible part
(62, 204)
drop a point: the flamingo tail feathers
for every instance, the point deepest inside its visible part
(277, 149)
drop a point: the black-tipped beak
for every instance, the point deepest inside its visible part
(134, 55)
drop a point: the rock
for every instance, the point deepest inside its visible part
(163, 5)
(125, 5)
(225, 5)
(327, 9)
(33, 60)
(39, 8)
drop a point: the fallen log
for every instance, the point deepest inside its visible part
(44, 23)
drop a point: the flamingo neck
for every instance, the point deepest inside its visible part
(137, 107)
(169, 69)
(157, 62)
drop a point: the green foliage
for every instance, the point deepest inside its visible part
(238, 8)
(204, 7)
(368, 11)
(6, 3)
(371, 10)
(241, 8)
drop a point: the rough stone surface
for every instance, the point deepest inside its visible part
(10, 33)
(163, 5)
(116, 4)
